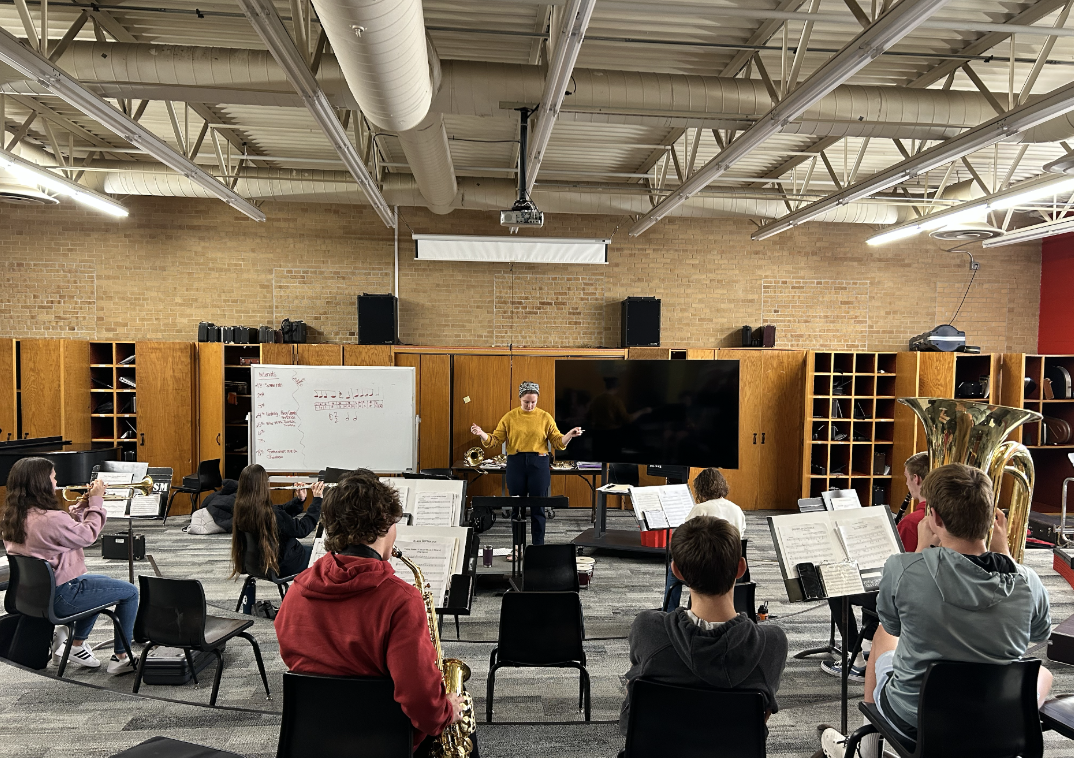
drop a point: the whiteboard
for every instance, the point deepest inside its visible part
(305, 418)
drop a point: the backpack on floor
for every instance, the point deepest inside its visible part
(201, 522)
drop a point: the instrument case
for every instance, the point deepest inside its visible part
(168, 665)
(114, 546)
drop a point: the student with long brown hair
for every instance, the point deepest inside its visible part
(278, 528)
(34, 524)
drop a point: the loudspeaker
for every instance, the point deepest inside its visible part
(378, 319)
(640, 322)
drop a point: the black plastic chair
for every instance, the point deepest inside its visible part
(251, 566)
(172, 613)
(550, 568)
(708, 723)
(540, 630)
(32, 592)
(205, 479)
(978, 710)
(745, 577)
(1058, 714)
(337, 715)
(165, 747)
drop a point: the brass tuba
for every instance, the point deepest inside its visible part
(454, 741)
(973, 433)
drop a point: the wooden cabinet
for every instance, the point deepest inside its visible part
(9, 421)
(54, 382)
(167, 404)
(770, 428)
(433, 395)
(211, 402)
(318, 355)
(481, 394)
(368, 355)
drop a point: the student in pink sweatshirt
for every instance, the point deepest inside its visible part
(32, 523)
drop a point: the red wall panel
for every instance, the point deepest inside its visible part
(1056, 332)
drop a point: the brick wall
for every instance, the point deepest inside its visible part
(174, 262)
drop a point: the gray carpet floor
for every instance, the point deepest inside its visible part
(92, 714)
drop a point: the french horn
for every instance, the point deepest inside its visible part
(475, 456)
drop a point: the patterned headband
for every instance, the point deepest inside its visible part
(529, 387)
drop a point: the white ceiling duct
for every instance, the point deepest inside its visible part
(381, 49)
(427, 152)
(473, 194)
(470, 88)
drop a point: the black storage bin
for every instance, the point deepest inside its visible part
(168, 665)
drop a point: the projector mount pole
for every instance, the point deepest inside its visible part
(523, 138)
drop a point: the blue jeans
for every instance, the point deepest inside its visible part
(672, 591)
(92, 591)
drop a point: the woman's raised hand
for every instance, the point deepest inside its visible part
(475, 429)
(575, 432)
(300, 491)
(97, 488)
(317, 489)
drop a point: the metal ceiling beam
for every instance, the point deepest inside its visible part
(886, 31)
(32, 64)
(109, 23)
(1030, 15)
(268, 25)
(575, 21)
(761, 36)
(230, 132)
(1052, 105)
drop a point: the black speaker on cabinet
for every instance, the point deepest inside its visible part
(378, 319)
(640, 322)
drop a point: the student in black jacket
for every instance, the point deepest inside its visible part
(709, 645)
(278, 528)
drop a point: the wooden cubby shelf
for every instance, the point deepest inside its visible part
(113, 401)
(849, 428)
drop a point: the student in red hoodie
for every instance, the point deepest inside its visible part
(350, 615)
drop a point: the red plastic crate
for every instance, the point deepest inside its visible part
(655, 538)
(1062, 568)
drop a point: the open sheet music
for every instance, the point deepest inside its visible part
(432, 502)
(862, 536)
(662, 507)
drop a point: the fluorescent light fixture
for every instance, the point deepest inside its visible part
(1037, 193)
(1020, 194)
(59, 83)
(31, 173)
(1030, 233)
(266, 22)
(447, 247)
(575, 22)
(900, 20)
(895, 234)
(1055, 103)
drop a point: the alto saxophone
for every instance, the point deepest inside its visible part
(455, 740)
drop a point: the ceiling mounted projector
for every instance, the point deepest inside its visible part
(524, 212)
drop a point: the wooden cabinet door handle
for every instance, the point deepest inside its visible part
(218, 438)
(762, 438)
(143, 439)
(755, 438)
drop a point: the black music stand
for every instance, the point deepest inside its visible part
(162, 484)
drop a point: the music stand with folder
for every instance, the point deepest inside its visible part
(135, 508)
(844, 551)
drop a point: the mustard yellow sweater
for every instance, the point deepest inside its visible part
(526, 432)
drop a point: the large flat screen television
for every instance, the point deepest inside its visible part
(670, 412)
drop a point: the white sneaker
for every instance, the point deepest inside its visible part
(118, 666)
(59, 639)
(832, 743)
(83, 656)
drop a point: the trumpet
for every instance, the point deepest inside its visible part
(75, 492)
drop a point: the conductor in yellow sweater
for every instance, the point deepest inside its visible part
(528, 431)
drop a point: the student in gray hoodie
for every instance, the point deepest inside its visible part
(709, 645)
(964, 600)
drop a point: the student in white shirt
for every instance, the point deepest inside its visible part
(710, 491)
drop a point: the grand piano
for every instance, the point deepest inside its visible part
(74, 461)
